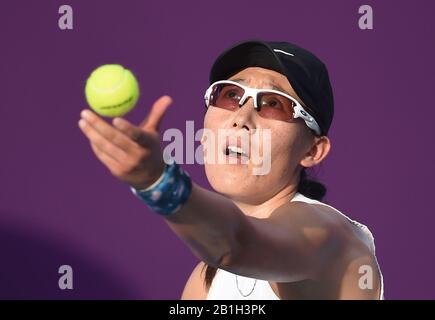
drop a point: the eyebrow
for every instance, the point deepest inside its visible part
(272, 85)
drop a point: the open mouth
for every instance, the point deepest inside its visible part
(235, 151)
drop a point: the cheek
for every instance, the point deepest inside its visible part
(283, 163)
(207, 120)
(216, 117)
(215, 122)
(281, 155)
(281, 138)
(285, 149)
(212, 123)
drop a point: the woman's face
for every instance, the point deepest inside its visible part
(290, 142)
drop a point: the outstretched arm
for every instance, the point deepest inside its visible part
(289, 245)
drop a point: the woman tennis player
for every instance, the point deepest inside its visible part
(258, 236)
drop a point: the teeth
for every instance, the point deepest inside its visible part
(235, 149)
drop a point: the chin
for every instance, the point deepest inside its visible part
(230, 181)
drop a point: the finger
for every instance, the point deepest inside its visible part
(152, 122)
(107, 131)
(106, 159)
(102, 143)
(134, 133)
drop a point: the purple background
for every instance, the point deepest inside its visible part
(59, 205)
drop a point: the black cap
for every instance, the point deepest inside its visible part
(305, 72)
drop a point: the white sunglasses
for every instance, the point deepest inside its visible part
(271, 104)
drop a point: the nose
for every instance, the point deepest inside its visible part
(244, 117)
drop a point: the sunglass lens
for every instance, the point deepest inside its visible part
(275, 106)
(226, 96)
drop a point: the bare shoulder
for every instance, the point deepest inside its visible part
(348, 269)
(321, 224)
(306, 214)
(315, 222)
(195, 288)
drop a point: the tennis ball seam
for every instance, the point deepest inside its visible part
(120, 83)
(129, 99)
(112, 90)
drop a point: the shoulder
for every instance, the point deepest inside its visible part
(346, 263)
(353, 235)
(195, 288)
(317, 223)
(327, 235)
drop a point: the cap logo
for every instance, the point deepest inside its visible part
(281, 51)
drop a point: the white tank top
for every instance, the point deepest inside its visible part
(229, 286)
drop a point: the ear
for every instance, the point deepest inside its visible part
(317, 152)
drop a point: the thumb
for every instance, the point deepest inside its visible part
(155, 116)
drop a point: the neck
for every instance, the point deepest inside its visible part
(265, 209)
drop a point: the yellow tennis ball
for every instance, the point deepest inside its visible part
(111, 90)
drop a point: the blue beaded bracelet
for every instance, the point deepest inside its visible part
(170, 193)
